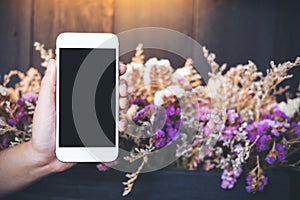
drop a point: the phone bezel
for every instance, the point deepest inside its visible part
(87, 40)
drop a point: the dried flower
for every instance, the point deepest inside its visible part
(229, 178)
(45, 54)
(231, 121)
(291, 107)
(281, 152)
(256, 180)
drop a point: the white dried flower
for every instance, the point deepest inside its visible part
(3, 90)
(133, 75)
(158, 72)
(131, 111)
(291, 107)
(169, 91)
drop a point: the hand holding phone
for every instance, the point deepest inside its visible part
(86, 102)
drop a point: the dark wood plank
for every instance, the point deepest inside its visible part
(176, 15)
(15, 32)
(237, 31)
(287, 45)
(53, 17)
(85, 182)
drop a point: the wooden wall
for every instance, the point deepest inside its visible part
(22, 22)
(235, 30)
(15, 34)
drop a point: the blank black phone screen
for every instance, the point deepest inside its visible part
(96, 71)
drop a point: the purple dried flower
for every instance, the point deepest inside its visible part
(169, 122)
(268, 116)
(275, 132)
(279, 115)
(270, 160)
(255, 182)
(258, 129)
(203, 112)
(160, 133)
(172, 133)
(5, 143)
(228, 132)
(160, 119)
(13, 121)
(137, 101)
(143, 112)
(249, 179)
(297, 130)
(171, 110)
(277, 152)
(206, 131)
(281, 152)
(20, 114)
(252, 134)
(272, 155)
(229, 178)
(30, 97)
(22, 117)
(177, 125)
(178, 111)
(263, 127)
(263, 143)
(232, 116)
(159, 139)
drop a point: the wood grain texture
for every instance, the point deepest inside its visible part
(56, 16)
(176, 15)
(15, 34)
(237, 31)
(287, 43)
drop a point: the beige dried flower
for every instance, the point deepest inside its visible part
(187, 76)
(29, 82)
(139, 55)
(157, 73)
(133, 75)
(45, 54)
(132, 177)
(135, 70)
(243, 88)
(141, 153)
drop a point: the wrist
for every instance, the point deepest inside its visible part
(39, 161)
(46, 160)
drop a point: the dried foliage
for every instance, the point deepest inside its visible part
(187, 76)
(132, 177)
(139, 55)
(245, 89)
(17, 103)
(29, 82)
(233, 123)
(45, 54)
(231, 120)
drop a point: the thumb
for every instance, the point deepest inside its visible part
(47, 91)
(44, 115)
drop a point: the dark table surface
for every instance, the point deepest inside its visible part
(84, 181)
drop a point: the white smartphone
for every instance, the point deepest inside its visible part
(86, 97)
